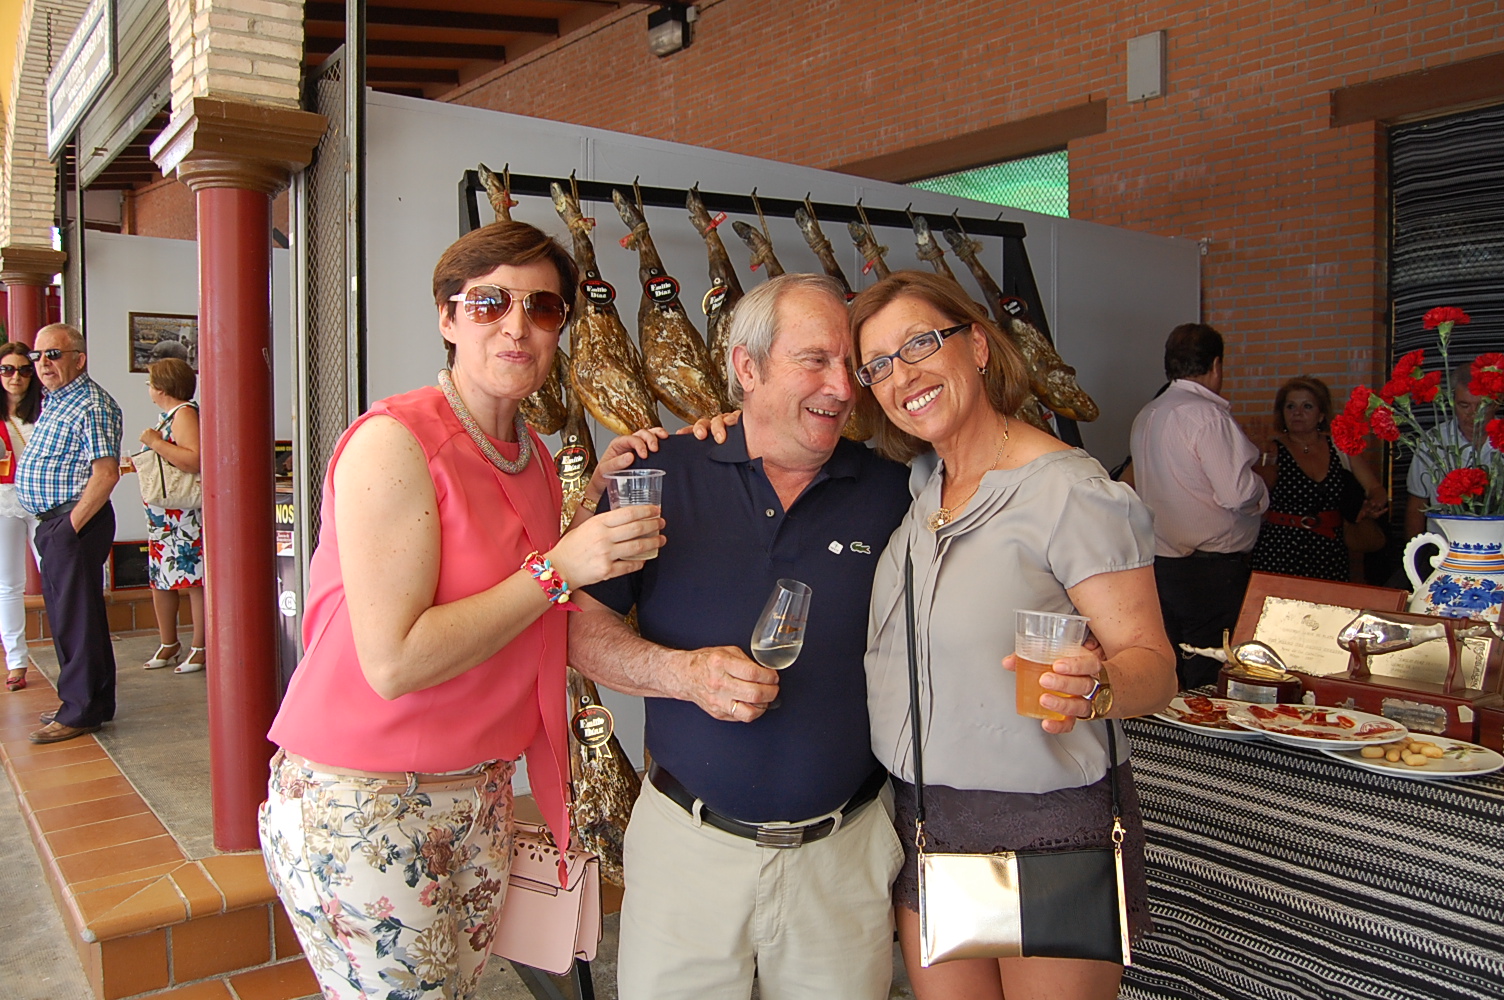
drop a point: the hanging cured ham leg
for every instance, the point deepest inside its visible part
(1052, 381)
(678, 367)
(725, 287)
(605, 369)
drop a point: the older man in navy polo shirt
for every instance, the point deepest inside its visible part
(762, 840)
(66, 473)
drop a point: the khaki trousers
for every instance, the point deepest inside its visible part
(705, 910)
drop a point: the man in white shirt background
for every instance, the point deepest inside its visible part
(1193, 466)
(1472, 413)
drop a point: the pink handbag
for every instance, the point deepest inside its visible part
(542, 925)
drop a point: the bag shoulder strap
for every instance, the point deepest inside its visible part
(908, 604)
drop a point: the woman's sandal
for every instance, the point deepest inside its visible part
(16, 680)
(193, 664)
(158, 661)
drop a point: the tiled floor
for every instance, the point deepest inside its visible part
(140, 848)
(141, 913)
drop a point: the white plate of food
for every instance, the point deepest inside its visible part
(1316, 727)
(1422, 757)
(1207, 716)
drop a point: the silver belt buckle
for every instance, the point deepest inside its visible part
(781, 837)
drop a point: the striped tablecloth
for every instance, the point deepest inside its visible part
(1281, 873)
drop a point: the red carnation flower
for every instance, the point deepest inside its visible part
(1395, 388)
(1405, 367)
(1495, 429)
(1459, 484)
(1493, 359)
(1383, 424)
(1444, 314)
(1357, 403)
(1487, 383)
(1424, 389)
(1348, 433)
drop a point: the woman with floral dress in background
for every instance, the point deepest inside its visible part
(175, 537)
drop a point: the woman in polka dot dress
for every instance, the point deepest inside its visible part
(1311, 492)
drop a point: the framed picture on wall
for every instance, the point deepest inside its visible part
(155, 336)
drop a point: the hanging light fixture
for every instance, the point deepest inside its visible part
(669, 28)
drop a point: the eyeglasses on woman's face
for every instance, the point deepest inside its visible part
(487, 304)
(913, 351)
(22, 371)
(52, 353)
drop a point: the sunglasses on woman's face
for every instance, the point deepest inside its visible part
(487, 304)
(25, 371)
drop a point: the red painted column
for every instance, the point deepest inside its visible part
(234, 156)
(25, 311)
(235, 387)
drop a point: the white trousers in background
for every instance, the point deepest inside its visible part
(16, 534)
(705, 909)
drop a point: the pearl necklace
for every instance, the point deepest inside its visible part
(462, 413)
(946, 515)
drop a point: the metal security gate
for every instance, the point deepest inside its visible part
(329, 361)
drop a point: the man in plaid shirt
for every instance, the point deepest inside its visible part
(64, 477)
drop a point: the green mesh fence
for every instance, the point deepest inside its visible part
(1035, 183)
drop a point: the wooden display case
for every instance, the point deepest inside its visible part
(1444, 707)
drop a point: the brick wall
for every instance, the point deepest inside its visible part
(249, 50)
(163, 208)
(1238, 152)
(28, 195)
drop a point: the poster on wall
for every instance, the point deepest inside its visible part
(155, 336)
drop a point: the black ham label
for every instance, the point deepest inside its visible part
(599, 292)
(714, 299)
(1014, 306)
(662, 290)
(570, 463)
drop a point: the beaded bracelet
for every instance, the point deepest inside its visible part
(540, 569)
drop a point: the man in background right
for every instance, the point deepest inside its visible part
(1472, 414)
(1193, 466)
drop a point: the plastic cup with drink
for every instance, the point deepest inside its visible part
(1041, 638)
(635, 487)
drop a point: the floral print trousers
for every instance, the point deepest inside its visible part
(394, 891)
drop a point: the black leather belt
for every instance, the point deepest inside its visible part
(57, 511)
(767, 835)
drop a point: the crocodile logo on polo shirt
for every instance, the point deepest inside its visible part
(861, 547)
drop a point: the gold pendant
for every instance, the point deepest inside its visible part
(938, 519)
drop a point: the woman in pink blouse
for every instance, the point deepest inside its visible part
(435, 635)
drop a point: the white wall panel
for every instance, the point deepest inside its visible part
(129, 274)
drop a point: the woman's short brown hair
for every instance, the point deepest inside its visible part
(1306, 383)
(483, 250)
(173, 377)
(1006, 377)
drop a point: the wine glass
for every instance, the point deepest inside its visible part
(779, 634)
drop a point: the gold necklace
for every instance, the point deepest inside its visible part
(462, 413)
(946, 515)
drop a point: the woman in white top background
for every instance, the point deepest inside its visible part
(21, 402)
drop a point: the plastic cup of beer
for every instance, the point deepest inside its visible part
(635, 487)
(1041, 638)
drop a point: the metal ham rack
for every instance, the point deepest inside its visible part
(1016, 279)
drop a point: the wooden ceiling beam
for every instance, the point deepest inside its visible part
(400, 74)
(462, 20)
(322, 46)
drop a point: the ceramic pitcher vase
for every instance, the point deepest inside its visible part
(1467, 580)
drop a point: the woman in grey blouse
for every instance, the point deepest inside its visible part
(1008, 518)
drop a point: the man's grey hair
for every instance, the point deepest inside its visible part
(74, 335)
(1461, 375)
(754, 322)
